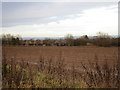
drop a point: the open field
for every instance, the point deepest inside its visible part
(69, 54)
(67, 67)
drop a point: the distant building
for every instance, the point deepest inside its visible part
(89, 44)
(47, 42)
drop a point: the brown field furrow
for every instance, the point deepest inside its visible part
(69, 54)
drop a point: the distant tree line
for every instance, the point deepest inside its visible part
(102, 39)
(8, 39)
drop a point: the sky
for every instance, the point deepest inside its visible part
(57, 19)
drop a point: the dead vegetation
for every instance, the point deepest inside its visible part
(55, 73)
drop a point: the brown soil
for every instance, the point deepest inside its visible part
(69, 54)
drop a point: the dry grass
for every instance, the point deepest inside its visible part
(67, 67)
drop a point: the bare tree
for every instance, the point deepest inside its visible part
(69, 39)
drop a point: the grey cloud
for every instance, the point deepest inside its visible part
(36, 13)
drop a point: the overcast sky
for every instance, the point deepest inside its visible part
(56, 19)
